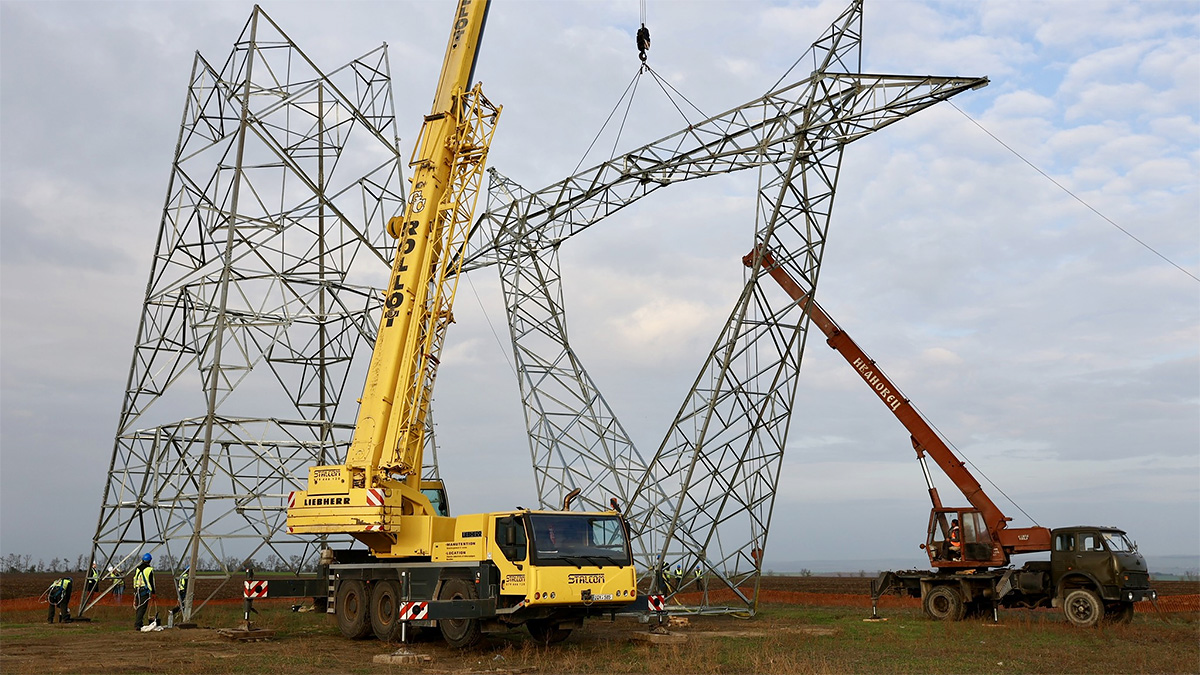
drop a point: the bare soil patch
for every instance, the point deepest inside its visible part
(784, 637)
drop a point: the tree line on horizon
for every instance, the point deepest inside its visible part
(17, 563)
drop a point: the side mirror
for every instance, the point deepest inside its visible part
(510, 535)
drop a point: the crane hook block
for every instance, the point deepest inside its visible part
(643, 42)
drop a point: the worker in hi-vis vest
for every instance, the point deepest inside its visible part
(181, 584)
(143, 589)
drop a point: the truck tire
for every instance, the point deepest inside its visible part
(1083, 608)
(385, 610)
(1118, 612)
(352, 609)
(459, 633)
(944, 603)
(546, 631)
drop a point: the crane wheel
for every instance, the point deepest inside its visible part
(385, 609)
(352, 609)
(459, 633)
(944, 603)
(1083, 608)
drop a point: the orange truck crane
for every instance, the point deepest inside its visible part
(1093, 572)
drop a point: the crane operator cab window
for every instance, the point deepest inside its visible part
(579, 540)
(959, 535)
(977, 543)
(435, 492)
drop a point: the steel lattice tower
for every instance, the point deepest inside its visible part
(258, 301)
(704, 500)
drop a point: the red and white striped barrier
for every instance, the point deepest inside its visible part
(414, 611)
(657, 603)
(254, 589)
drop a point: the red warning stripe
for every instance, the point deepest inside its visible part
(414, 611)
(254, 589)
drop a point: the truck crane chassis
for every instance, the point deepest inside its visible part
(1094, 573)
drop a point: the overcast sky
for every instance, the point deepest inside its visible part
(1058, 354)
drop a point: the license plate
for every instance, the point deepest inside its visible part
(607, 596)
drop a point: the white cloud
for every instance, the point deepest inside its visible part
(1021, 323)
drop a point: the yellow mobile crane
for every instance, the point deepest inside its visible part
(470, 574)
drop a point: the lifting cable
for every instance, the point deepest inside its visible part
(503, 347)
(957, 450)
(966, 459)
(643, 44)
(643, 35)
(1072, 194)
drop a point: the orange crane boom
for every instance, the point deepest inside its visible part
(1004, 541)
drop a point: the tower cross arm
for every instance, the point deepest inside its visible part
(823, 110)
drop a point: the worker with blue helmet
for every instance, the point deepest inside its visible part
(143, 589)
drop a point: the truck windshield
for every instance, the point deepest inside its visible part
(579, 540)
(1117, 542)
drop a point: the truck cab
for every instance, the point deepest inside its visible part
(545, 570)
(548, 559)
(1097, 572)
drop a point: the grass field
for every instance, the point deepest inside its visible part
(780, 639)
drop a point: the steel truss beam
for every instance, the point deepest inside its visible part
(258, 301)
(575, 439)
(704, 501)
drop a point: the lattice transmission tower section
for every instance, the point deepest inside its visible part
(703, 500)
(262, 291)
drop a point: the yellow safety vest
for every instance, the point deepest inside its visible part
(141, 578)
(182, 583)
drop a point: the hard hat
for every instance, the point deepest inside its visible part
(146, 557)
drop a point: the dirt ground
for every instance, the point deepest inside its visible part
(14, 586)
(814, 625)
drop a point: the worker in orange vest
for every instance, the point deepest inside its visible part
(955, 539)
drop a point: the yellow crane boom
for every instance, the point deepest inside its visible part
(381, 478)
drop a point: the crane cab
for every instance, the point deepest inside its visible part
(959, 537)
(435, 492)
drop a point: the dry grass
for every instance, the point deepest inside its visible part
(781, 639)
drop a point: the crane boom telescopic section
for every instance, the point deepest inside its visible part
(466, 574)
(381, 478)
